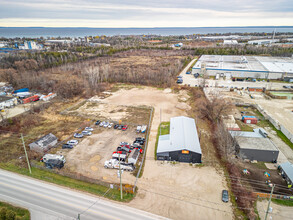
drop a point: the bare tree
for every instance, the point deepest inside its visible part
(214, 106)
(226, 142)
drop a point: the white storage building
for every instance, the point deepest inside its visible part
(244, 66)
(182, 144)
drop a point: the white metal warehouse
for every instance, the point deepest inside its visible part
(245, 66)
(182, 144)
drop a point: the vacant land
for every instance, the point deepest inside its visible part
(279, 212)
(177, 191)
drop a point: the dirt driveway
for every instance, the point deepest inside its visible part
(176, 191)
(278, 213)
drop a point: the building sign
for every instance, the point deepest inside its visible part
(185, 152)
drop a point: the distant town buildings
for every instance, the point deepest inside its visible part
(30, 45)
(230, 42)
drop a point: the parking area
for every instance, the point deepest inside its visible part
(89, 155)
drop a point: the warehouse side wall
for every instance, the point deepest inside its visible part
(241, 74)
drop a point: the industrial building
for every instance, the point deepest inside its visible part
(44, 143)
(182, 143)
(230, 42)
(287, 172)
(255, 145)
(30, 45)
(244, 66)
(263, 41)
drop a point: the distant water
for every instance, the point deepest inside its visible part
(35, 32)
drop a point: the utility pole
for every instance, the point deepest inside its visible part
(28, 163)
(267, 212)
(160, 120)
(120, 174)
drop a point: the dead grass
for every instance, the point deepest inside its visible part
(33, 126)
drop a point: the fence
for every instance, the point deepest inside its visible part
(275, 196)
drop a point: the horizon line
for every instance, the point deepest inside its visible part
(153, 27)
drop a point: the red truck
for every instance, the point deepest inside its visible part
(30, 99)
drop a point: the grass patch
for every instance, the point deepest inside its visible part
(21, 213)
(96, 189)
(165, 129)
(283, 202)
(260, 165)
(243, 126)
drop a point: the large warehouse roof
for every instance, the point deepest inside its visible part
(246, 63)
(183, 136)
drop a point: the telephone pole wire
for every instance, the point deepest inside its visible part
(28, 163)
(267, 212)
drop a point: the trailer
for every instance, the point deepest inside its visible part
(138, 128)
(47, 157)
(30, 99)
(133, 156)
(143, 128)
(21, 90)
(114, 164)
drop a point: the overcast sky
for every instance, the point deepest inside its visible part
(145, 13)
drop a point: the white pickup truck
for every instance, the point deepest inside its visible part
(114, 164)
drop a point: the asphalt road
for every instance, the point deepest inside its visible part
(49, 201)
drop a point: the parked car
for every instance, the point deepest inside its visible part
(188, 72)
(127, 149)
(88, 129)
(179, 77)
(72, 142)
(140, 149)
(138, 142)
(179, 81)
(52, 163)
(102, 123)
(110, 125)
(98, 122)
(87, 133)
(119, 149)
(140, 139)
(124, 127)
(225, 196)
(124, 143)
(116, 126)
(67, 146)
(120, 127)
(78, 135)
(106, 124)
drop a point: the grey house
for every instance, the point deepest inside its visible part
(255, 145)
(287, 172)
(182, 144)
(44, 143)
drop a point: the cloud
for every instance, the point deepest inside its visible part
(148, 13)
